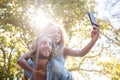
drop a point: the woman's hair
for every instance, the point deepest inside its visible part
(35, 45)
(61, 29)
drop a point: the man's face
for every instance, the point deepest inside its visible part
(45, 47)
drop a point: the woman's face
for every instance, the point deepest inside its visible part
(55, 33)
(45, 47)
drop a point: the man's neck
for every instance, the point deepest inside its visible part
(42, 57)
(42, 62)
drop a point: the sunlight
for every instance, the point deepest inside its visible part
(37, 18)
(41, 19)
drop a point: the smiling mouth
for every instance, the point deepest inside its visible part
(47, 51)
(56, 39)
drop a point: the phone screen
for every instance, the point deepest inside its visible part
(92, 18)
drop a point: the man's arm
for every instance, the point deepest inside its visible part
(25, 77)
(22, 61)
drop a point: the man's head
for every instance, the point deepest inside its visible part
(43, 47)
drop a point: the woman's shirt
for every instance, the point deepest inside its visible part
(59, 55)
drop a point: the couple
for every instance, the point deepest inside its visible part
(48, 64)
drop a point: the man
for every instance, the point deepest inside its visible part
(43, 66)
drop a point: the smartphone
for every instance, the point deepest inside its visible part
(92, 18)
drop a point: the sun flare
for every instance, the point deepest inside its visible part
(38, 18)
(41, 19)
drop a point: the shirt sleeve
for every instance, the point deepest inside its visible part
(27, 73)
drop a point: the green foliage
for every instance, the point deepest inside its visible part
(111, 68)
(16, 33)
(71, 12)
(12, 47)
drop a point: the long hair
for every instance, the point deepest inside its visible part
(62, 32)
(35, 45)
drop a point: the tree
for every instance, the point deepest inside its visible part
(111, 12)
(12, 38)
(17, 31)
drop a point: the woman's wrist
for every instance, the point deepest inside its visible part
(93, 40)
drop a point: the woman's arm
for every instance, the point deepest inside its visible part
(70, 52)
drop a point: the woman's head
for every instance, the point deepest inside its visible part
(43, 47)
(56, 32)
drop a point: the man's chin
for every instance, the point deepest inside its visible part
(44, 57)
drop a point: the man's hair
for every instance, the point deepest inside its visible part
(34, 47)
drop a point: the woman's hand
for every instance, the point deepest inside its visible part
(95, 33)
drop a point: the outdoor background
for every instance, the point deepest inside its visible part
(20, 20)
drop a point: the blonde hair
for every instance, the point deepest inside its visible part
(62, 32)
